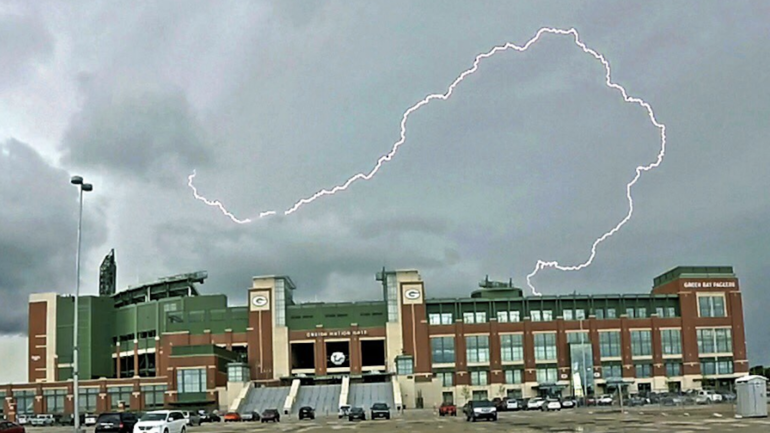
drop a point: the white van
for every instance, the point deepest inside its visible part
(706, 396)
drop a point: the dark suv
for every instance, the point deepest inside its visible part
(306, 412)
(478, 409)
(116, 422)
(380, 410)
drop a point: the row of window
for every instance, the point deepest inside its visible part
(710, 341)
(472, 317)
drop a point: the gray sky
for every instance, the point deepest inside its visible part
(270, 101)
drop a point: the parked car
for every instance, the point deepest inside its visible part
(447, 409)
(728, 396)
(512, 404)
(706, 396)
(551, 404)
(271, 415)
(344, 411)
(41, 420)
(636, 400)
(478, 409)
(89, 419)
(209, 416)
(116, 422)
(535, 403)
(9, 427)
(380, 410)
(249, 416)
(306, 412)
(604, 400)
(232, 417)
(356, 413)
(22, 419)
(162, 421)
(568, 403)
(192, 418)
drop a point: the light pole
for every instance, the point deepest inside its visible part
(82, 187)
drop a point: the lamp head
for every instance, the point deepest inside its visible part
(76, 180)
(87, 187)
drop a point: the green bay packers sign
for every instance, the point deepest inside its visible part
(259, 300)
(411, 293)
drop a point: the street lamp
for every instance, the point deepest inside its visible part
(82, 187)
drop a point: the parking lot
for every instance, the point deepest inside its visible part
(716, 418)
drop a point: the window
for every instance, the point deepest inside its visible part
(671, 340)
(191, 380)
(121, 394)
(578, 338)
(547, 374)
(477, 348)
(545, 346)
(716, 366)
(611, 313)
(477, 317)
(580, 314)
(547, 315)
(448, 397)
(512, 347)
(153, 395)
(670, 312)
(25, 401)
(440, 318)
(238, 373)
(599, 313)
(612, 369)
(480, 395)
(514, 316)
(643, 370)
(641, 312)
(513, 376)
(447, 378)
(711, 306)
(502, 316)
(673, 369)
(536, 316)
(87, 399)
(641, 343)
(712, 340)
(609, 344)
(478, 378)
(54, 400)
(630, 313)
(567, 314)
(659, 312)
(405, 365)
(443, 350)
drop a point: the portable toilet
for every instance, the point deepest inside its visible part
(751, 394)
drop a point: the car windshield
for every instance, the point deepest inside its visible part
(356, 409)
(379, 406)
(109, 417)
(482, 403)
(154, 417)
(270, 411)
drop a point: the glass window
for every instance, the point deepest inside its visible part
(673, 369)
(577, 337)
(87, 399)
(512, 347)
(609, 344)
(670, 312)
(599, 313)
(447, 378)
(545, 346)
(405, 365)
(641, 343)
(547, 315)
(478, 378)
(711, 306)
(643, 370)
(671, 340)
(443, 349)
(153, 396)
(191, 380)
(502, 316)
(25, 401)
(434, 318)
(580, 314)
(659, 312)
(612, 369)
(54, 400)
(469, 317)
(641, 312)
(515, 316)
(716, 366)
(477, 348)
(448, 397)
(536, 316)
(447, 319)
(611, 313)
(548, 374)
(122, 394)
(480, 395)
(630, 313)
(717, 340)
(513, 376)
(567, 314)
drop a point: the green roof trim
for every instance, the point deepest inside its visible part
(694, 272)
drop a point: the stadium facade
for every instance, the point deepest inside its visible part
(164, 344)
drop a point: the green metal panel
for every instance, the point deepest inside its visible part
(336, 315)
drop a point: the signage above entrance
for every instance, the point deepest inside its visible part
(709, 284)
(345, 333)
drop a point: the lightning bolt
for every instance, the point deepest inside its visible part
(541, 264)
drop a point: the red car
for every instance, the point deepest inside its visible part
(9, 427)
(447, 409)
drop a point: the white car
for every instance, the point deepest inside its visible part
(90, 420)
(551, 404)
(22, 419)
(535, 403)
(42, 420)
(605, 400)
(706, 396)
(511, 404)
(344, 411)
(162, 421)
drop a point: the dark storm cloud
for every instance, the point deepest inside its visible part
(152, 134)
(38, 231)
